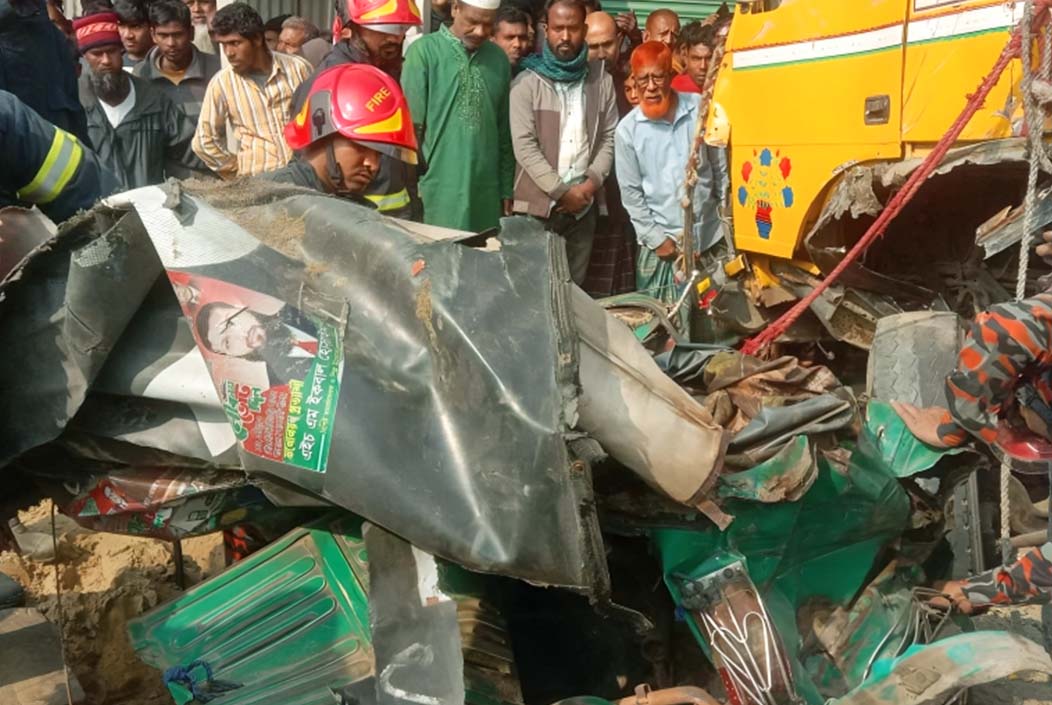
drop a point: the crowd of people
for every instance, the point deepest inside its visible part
(559, 112)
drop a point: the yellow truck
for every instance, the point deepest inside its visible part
(825, 107)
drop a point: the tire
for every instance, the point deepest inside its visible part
(911, 355)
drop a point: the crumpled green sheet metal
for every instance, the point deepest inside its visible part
(823, 547)
(787, 476)
(291, 623)
(899, 449)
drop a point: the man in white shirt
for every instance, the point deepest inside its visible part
(563, 114)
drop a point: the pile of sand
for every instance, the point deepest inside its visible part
(106, 579)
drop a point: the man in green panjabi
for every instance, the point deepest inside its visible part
(457, 84)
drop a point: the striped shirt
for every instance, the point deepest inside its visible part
(257, 116)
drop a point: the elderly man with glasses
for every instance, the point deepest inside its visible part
(652, 146)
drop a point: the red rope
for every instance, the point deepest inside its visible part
(778, 327)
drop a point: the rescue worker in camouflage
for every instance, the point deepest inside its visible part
(46, 166)
(1006, 362)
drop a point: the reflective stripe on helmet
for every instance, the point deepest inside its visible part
(58, 168)
(389, 201)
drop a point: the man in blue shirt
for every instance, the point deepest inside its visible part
(651, 149)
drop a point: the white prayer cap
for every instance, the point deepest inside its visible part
(483, 4)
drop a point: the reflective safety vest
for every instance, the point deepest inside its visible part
(59, 166)
(46, 166)
(387, 202)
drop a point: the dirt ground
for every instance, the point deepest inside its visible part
(106, 579)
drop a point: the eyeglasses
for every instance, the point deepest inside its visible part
(658, 79)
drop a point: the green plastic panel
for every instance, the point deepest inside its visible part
(291, 622)
(287, 623)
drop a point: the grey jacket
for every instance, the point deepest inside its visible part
(150, 144)
(534, 112)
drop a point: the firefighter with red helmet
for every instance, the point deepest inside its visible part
(372, 32)
(353, 115)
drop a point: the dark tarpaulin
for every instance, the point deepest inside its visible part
(455, 394)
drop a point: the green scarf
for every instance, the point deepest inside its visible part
(552, 67)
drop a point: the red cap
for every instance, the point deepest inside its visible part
(96, 30)
(363, 104)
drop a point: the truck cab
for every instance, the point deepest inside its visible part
(817, 97)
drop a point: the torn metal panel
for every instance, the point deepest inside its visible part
(785, 477)
(63, 309)
(638, 414)
(1008, 229)
(932, 674)
(407, 338)
(414, 629)
(21, 231)
(861, 192)
(900, 449)
(819, 549)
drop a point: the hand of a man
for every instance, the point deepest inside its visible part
(506, 206)
(922, 423)
(952, 595)
(626, 22)
(1044, 250)
(667, 250)
(576, 199)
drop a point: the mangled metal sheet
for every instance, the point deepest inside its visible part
(862, 191)
(64, 308)
(414, 383)
(425, 384)
(638, 414)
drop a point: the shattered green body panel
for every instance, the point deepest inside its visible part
(899, 449)
(819, 550)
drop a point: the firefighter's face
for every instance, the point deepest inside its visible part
(381, 45)
(105, 59)
(234, 331)
(357, 162)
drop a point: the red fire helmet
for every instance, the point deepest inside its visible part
(384, 12)
(363, 104)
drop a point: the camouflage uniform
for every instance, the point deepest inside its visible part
(1027, 581)
(1007, 359)
(1008, 341)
